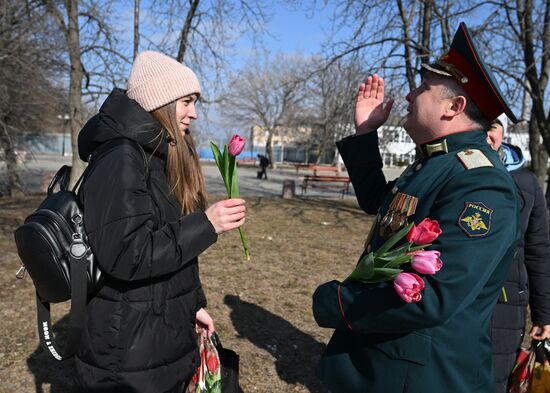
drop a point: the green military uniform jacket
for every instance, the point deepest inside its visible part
(440, 344)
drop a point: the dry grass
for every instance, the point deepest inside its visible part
(262, 308)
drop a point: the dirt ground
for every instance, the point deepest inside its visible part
(262, 308)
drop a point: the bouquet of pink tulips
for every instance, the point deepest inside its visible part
(386, 264)
(228, 168)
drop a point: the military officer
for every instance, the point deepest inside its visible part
(382, 344)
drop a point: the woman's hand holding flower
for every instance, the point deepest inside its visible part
(227, 214)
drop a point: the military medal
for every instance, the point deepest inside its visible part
(398, 217)
(401, 207)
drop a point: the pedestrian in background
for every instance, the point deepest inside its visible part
(146, 228)
(264, 163)
(528, 281)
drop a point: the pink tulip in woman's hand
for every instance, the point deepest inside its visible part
(408, 286)
(227, 164)
(236, 145)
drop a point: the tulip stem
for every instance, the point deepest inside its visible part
(245, 245)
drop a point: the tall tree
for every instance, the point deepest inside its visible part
(202, 34)
(533, 32)
(136, 28)
(267, 94)
(395, 36)
(516, 40)
(330, 99)
(29, 100)
(94, 62)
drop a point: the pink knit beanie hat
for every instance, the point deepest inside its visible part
(157, 80)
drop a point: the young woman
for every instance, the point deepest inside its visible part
(147, 220)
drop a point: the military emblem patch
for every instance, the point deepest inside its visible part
(475, 219)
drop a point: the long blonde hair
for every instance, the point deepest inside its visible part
(183, 168)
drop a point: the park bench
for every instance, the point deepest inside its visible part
(339, 183)
(323, 168)
(300, 166)
(246, 162)
(317, 168)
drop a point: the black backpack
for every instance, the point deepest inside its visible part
(54, 249)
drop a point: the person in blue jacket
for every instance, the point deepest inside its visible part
(440, 343)
(528, 280)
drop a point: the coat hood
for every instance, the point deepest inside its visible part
(122, 117)
(511, 156)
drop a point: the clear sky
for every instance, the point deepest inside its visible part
(296, 30)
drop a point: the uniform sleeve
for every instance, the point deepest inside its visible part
(119, 216)
(537, 256)
(362, 159)
(468, 262)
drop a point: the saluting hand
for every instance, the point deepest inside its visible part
(226, 215)
(370, 111)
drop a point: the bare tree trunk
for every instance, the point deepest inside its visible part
(445, 31)
(427, 15)
(409, 69)
(327, 141)
(251, 142)
(526, 107)
(539, 156)
(538, 124)
(13, 186)
(269, 148)
(184, 36)
(136, 28)
(75, 86)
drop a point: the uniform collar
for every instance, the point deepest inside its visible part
(454, 142)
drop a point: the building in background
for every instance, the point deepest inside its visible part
(396, 146)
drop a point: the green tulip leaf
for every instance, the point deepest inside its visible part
(398, 261)
(364, 269)
(380, 275)
(417, 248)
(217, 156)
(234, 182)
(225, 173)
(394, 239)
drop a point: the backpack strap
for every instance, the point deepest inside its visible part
(107, 147)
(77, 313)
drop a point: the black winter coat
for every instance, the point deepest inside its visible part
(528, 281)
(140, 334)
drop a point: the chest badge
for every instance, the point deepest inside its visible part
(475, 219)
(401, 207)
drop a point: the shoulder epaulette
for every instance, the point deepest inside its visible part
(473, 158)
